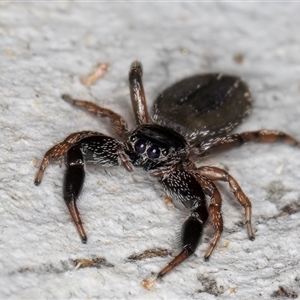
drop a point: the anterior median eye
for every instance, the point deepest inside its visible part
(140, 146)
(153, 152)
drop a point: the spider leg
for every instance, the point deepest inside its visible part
(117, 122)
(198, 187)
(137, 93)
(235, 140)
(73, 183)
(214, 173)
(59, 150)
(214, 210)
(185, 189)
(81, 148)
(191, 235)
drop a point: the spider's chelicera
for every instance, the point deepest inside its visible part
(189, 119)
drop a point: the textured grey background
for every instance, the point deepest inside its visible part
(45, 49)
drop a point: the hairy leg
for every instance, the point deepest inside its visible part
(60, 149)
(137, 94)
(117, 122)
(73, 183)
(214, 173)
(235, 140)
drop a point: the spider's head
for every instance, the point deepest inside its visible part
(155, 146)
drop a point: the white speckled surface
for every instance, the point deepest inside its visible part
(45, 49)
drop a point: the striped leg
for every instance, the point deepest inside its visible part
(235, 140)
(214, 173)
(117, 122)
(60, 149)
(214, 210)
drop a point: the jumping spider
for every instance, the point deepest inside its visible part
(190, 119)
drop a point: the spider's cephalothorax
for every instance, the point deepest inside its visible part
(191, 118)
(157, 147)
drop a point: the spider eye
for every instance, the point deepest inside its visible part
(153, 152)
(140, 146)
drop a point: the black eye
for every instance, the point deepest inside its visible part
(140, 146)
(153, 152)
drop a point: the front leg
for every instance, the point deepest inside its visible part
(185, 190)
(190, 189)
(73, 183)
(97, 149)
(81, 148)
(191, 234)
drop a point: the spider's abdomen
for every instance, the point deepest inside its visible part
(203, 106)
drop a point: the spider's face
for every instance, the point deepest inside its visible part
(156, 146)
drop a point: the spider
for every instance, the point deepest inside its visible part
(190, 119)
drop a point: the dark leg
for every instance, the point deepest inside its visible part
(73, 183)
(214, 173)
(84, 147)
(137, 94)
(191, 235)
(193, 228)
(235, 140)
(60, 149)
(199, 188)
(117, 122)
